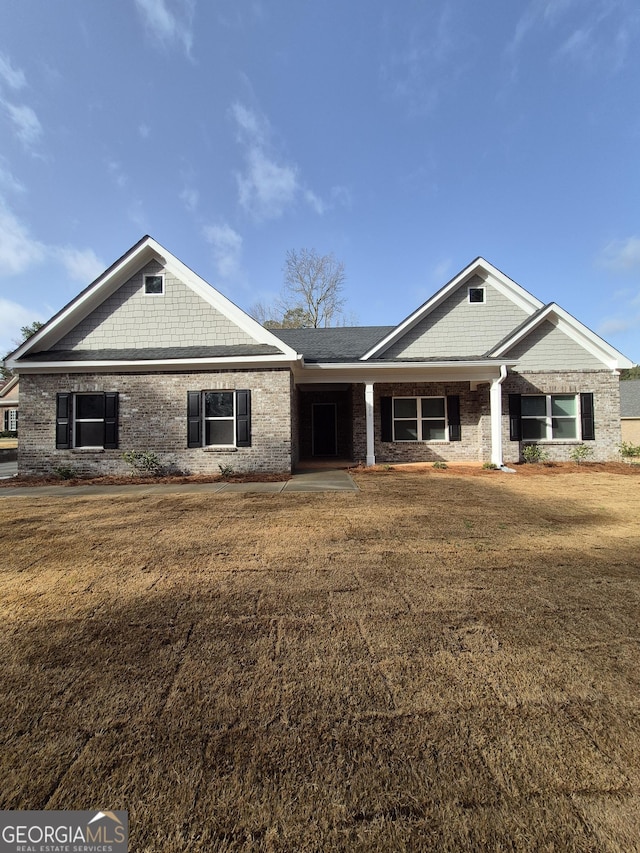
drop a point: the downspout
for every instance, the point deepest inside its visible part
(495, 399)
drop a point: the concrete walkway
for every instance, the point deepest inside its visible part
(309, 481)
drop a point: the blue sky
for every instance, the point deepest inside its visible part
(406, 138)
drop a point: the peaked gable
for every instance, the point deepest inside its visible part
(552, 339)
(449, 324)
(115, 312)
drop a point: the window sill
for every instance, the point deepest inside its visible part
(554, 441)
(220, 449)
(87, 450)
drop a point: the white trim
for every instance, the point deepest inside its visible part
(495, 408)
(369, 414)
(153, 365)
(575, 330)
(108, 283)
(482, 288)
(153, 275)
(419, 418)
(488, 273)
(11, 384)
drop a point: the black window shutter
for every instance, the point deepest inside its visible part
(63, 421)
(587, 417)
(243, 418)
(453, 415)
(111, 420)
(194, 421)
(6, 419)
(515, 422)
(386, 418)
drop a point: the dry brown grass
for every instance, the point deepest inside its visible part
(439, 663)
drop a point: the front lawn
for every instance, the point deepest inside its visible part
(445, 662)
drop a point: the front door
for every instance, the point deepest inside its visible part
(324, 430)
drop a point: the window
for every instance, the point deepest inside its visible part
(154, 285)
(476, 294)
(551, 417)
(87, 421)
(219, 419)
(10, 420)
(421, 418)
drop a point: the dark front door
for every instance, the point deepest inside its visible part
(324, 429)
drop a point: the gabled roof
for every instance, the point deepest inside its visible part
(568, 324)
(340, 343)
(630, 398)
(115, 276)
(479, 267)
(8, 386)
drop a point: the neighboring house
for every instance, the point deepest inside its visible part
(9, 405)
(630, 410)
(151, 357)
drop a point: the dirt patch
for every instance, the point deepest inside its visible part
(445, 662)
(24, 480)
(542, 469)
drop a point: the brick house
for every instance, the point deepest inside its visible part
(9, 401)
(151, 357)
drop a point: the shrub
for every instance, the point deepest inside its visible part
(533, 453)
(65, 472)
(490, 466)
(629, 451)
(9, 433)
(441, 466)
(226, 470)
(143, 462)
(581, 453)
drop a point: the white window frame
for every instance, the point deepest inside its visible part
(419, 419)
(12, 420)
(549, 418)
(77, 420)
(153, 275)
(232, 418)
(484, 294)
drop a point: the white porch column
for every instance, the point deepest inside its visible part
(495, 400)
(368, 408)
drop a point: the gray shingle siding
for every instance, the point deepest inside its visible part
(131, 319)
(548, 348)
(457, 328)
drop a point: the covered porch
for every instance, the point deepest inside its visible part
(419, 413)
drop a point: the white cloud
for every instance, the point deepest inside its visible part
(13, 77)
(26, 123)
(7, 181)
(144, 130)
(227, 249)
(250, 124)
(190, 198)
(167, 24)
(18, 250)
(116, 172)
(622, 255)
(81, 264)
(267, 188)
(12, 317)
(618, 325)
(595, 35)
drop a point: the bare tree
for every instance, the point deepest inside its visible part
(312, 292)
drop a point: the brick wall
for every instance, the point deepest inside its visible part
(605, 387)
(474, 417)
(153, 416)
